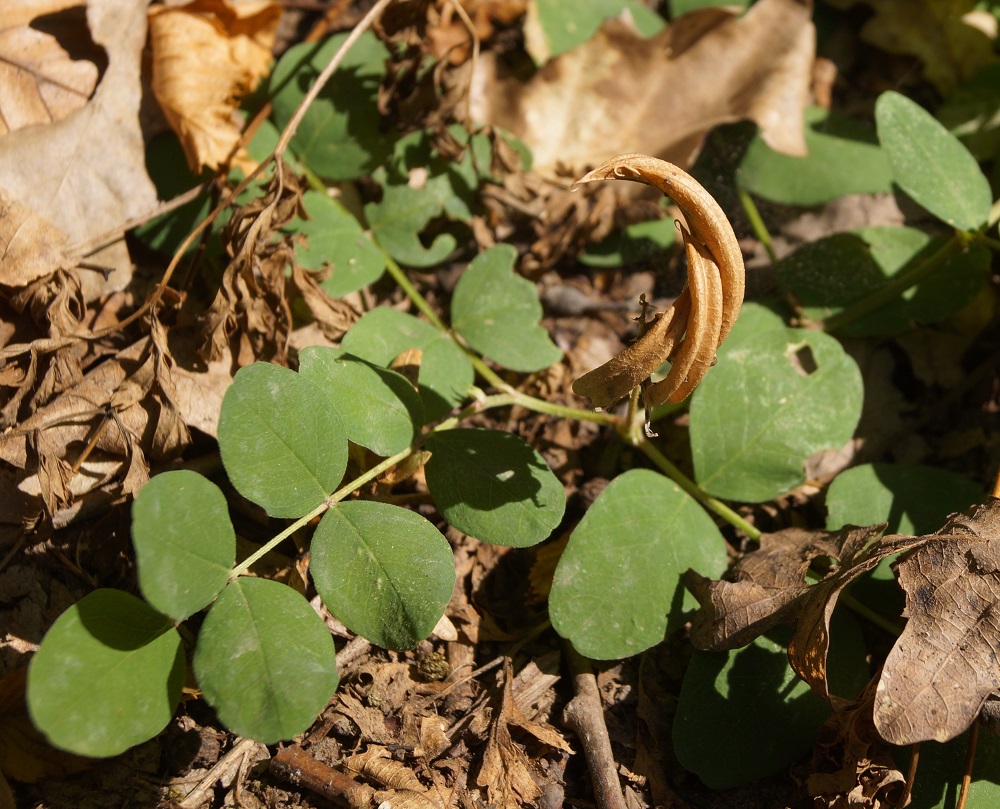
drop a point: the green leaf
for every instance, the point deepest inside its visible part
(446, 372)
(282, 444)
(844, 158)
(743, 715)
(380, 409)
(265, 660)
(772, 401)
(397, 221)
(564, 26)
(829, 274)
(972, 113)
(914, 500)
(493, 486)
(331, 239)
(107, 675)
(185, 545)
(755, 317)
(617, 589)
(340, 137)
(930, 164)
(680, 7)
(384, 571)
(941, 767)
(491, 303)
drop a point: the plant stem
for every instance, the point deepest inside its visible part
(897, 286)
(867, 612)
(411, 291)
(337, 496)
(986, 241)
(756, 221)
(692, 488)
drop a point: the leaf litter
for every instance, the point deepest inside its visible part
(94, 402)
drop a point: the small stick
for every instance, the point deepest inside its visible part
(970, 760)
(584, 715)
(297, 767)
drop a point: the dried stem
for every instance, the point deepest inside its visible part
(584, 715)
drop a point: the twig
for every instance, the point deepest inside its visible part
(970, 760)
(584, 715)
(911, 776)
(297, 767)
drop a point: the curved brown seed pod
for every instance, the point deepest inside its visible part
(615, 379)
(707, 222)
(697, 353)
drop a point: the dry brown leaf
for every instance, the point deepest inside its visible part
(951, 38)
(619, 92)
(49, 66)
(30, 247)
(945, 664)
(93, 176)
(206, 56)
(506, 770)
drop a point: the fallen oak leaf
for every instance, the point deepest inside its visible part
(945, 664)
(716, 284)
(770, 587)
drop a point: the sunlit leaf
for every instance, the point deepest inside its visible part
(617, 588)
(332, 240)
(445, 371)
(844, 158)
(772, 401)
(930, 164)
(384, 571)
(380, 409)
(564, 26)
(282, 443)
(107, 675)
(185, 544)
(265, 660)
(498, 312)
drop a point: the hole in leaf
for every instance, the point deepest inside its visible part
(802, 359)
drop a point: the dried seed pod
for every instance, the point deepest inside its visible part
(714, 295)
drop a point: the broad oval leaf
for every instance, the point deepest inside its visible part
(282, 443)
(930, 164)
(914, 500)
(331, 239)
(380, 408)
(340, 137)
(107, 675)
(844, 158)
(491, 303)
(772, 401)
(493, 486)
(384, 571)
(185, 544)
(265, 660)
(743, 715)
(617, 589)
(446, 372)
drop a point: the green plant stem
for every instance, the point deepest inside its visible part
(891, 291)
(411, 291)
(865, 611)
(337, 496)
(986, 241)
(671, 471)
(756, 221)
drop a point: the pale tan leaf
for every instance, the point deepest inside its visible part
(660, 96)
(48, 63)
(92, 177)
(206, 56)
(30, 247)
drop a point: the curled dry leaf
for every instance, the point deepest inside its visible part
(206, 55)
(705, 311)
